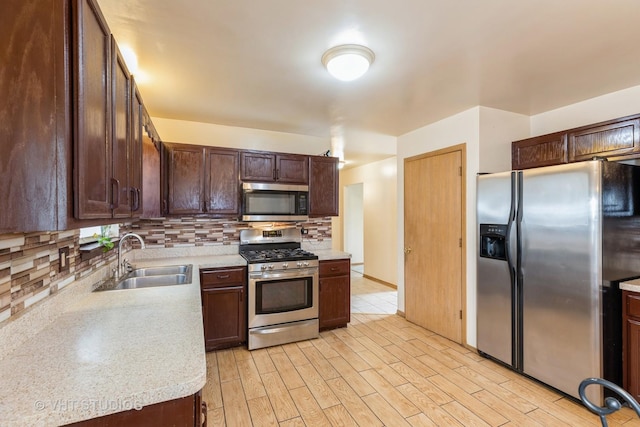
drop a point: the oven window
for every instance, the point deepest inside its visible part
(278, 296)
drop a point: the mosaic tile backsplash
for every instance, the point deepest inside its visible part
(29, 263)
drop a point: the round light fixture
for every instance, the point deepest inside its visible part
(348, 61)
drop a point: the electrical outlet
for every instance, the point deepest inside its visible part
(304, 231)
(63, 259)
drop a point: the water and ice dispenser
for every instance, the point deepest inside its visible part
(493, 241)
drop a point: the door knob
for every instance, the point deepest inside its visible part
(407, 251)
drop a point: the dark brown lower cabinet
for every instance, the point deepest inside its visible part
(188, 411)
(335, 294)
(631, 342)
(224, 307)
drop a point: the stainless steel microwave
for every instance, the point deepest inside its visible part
(274, 202)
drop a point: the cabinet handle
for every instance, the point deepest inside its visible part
(115, 195)
(223, 276)
(334, 268)
(204, 414)
(165, 210)
(241, 296)
(135, 199)
(277, 174)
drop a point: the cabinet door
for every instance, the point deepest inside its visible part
(135, 160)
(223, 185)
(292, 169)
(323, 186)
(92, 70)
(631, 343)
(543, 150)
(613, 138)
(257, 166)
(121, 113)
(335, 302)
(224, 316)
(35, 115)
(185, 179)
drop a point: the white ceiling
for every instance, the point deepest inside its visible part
(256, 63)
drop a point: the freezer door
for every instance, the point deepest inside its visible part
(494, 279)
(561, 270)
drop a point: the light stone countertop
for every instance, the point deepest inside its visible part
(631, 285)
(330, 254)
(111, 351)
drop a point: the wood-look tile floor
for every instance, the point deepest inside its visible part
(380, 371)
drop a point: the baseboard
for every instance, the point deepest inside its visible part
(401, 314)
(382, 282)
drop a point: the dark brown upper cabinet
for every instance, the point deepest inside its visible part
(107, 163)
(35, 115)
(543, 150)
(92, 107)
(202, 180)
(323, 186)
(609, 139)
(615, 139)
(264, 166)
(136, 152)
(122, 193)
(66, 119)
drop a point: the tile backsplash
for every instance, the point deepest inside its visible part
(29, 262)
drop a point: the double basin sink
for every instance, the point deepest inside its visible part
(147, 277)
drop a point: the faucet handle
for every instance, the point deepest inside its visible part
(127, 266)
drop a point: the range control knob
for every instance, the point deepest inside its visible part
(270, 267)
(299, 264)
(306, 263)
(263, 267)
(285, 265)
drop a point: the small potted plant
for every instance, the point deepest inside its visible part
(104, 238)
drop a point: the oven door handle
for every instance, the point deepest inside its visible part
(267, 331)
(283, 274)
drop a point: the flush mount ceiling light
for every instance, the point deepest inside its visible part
(348, 61)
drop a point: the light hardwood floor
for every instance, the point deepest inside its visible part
(380, 371)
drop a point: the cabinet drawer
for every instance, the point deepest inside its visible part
(222, 277)
(334, 268)
(632, 300)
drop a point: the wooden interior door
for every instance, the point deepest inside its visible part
(434, 241)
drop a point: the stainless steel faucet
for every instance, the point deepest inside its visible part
(121, 266)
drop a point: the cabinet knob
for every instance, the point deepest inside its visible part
(407, 250)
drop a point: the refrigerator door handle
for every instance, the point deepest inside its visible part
(510, 226)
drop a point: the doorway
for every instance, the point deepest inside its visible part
(434, 238)
(354, 223)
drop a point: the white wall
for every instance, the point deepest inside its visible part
(235, 137)
(379, 200)
(610, 106)
(498, 128)
(354, 222)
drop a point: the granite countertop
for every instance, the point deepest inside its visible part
(631, 285)
(110, 351)
(329, 254)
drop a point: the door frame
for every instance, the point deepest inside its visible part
(462, 148)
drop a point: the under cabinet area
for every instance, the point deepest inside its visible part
(224, 306)
(264, 166)
(335, 293)
(631, 342)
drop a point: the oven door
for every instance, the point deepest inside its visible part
(285, 296)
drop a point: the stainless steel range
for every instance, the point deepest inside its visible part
(283, 287)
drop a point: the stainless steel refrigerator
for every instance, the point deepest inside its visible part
(552, 244)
